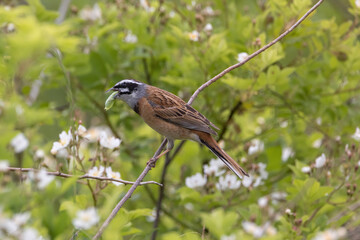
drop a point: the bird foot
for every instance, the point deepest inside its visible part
(151, 162)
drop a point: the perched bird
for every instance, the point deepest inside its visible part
(170, 116)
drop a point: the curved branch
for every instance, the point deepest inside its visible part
(229, 69)
(85, 176)
(129, 193)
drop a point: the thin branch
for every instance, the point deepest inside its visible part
(196, 93)
(64, 6)
(162, 189)
(231, 115)
(65, 175)
(170, 213)
(229, 69)
(129, 193)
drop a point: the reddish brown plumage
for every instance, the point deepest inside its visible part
(172, 117)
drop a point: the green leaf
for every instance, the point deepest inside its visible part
(140, 213)
(220, 222)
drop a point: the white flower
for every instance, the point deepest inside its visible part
(242, 56)
(262, 170)
(114, 175)
(91, 14)
(81, 131)
(356, 135)
(317, 143)
(357, 3)
(172, 14)
(208, 11)
(109, 142)
(257, 130)
(263, 201)
(195, 181)
(130, 37)
(258, 181)
(331, 234)
(284, 124)
(65, 139)
(62, 153)
(208, 28)
(35, 90)
(41, 177)
(260, 120)
(4, 164)
(29, 234)
(214, 168)
(288, 211)
(246, 182)
(256, 146)
(230, 181)
(93, 134)
(39, 154)
(19, 110)
(19, 143)
(253, 229)
(320, 161)
(85, 219)
(278, 195)
(228, 237)
(189, 206)
(286, 153)
(269, 230)
(96, 172)
(44, 179)
(10, 27)
(194, 36)
(306, 169)
(318, 121)
(151, 217)
(13, 225)
(145, 4)
(347, 150)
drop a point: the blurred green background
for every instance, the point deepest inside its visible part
(277, 115)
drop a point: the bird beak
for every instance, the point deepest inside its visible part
(111, 89)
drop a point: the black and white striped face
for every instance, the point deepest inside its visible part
(129, 91)
(126, 86)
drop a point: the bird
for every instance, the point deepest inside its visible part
(172, 117)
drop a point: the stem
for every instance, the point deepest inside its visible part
(162, 189)
(64, 175)
(129, 193)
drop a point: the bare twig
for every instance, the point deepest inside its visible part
(65, 175)
(64, 5)
(196, 93)
(229, 69)
(162, 189)
(231, 115)
(129, 193)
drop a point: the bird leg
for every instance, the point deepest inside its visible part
(152, 160)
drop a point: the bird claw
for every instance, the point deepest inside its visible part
(151, 162)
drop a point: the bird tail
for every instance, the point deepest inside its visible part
(210, 142)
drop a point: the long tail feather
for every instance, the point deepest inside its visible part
(210, 142)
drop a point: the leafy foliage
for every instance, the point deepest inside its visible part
(277, 114)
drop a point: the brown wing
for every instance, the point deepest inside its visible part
(173, 109)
